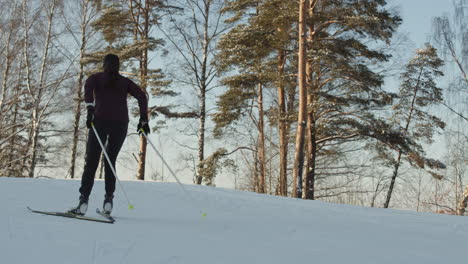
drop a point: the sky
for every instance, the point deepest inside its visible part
(417, 16)
(417, 24)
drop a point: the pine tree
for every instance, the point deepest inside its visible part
(302, 115)
(344, 92)
(259, 47)
(127, 27)
(418, 91)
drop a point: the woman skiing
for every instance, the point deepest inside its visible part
(106, 101)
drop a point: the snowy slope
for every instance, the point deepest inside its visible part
(240, 227)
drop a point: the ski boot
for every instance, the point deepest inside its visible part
(108, 204)
(82, 206)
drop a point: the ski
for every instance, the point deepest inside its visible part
(75, 216)
(109, 217)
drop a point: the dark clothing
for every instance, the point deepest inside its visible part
(113, 131)
(108, 94)
(106, 100)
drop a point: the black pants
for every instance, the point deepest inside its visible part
(115, 132)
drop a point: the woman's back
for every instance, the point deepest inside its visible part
(109, 93)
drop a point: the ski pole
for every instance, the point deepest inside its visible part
(170, 170)
(130, 206)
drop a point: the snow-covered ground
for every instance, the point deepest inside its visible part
(167, 226)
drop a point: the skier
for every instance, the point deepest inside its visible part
(106, 102)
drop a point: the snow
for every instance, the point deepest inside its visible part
(167, 226)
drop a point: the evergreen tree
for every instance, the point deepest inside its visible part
(343, 91)
(258, 47)
(127, 26)
(302, 112)
(418, 91)
(344, 94)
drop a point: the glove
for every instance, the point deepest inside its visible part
(143, 124)
(90, 117)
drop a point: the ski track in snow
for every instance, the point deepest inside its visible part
(240, 227)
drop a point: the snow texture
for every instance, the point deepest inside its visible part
(168, 226)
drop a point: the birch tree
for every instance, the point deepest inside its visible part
(193, 32)
(87, 13)
(12, 106)
(449, 36)
(37, 91)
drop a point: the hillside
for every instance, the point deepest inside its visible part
(240, 227)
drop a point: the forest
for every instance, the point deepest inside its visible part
(312, 99)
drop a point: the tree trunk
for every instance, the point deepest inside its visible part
(309, 186)
(290, 109)
(102, 161)
(27, 66)
(144, 84)
(261, 141)
(255, 172)
(302, 115)
(283, 140)
(142, 159)
(11, 165)
(398, 161)
(78, 92)
(36, 116)
(11, 156)
(392, 183)
(201, 136)
(202, 98)
(309, 181)
(463, 202)
(34, 143)
(6, 73)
